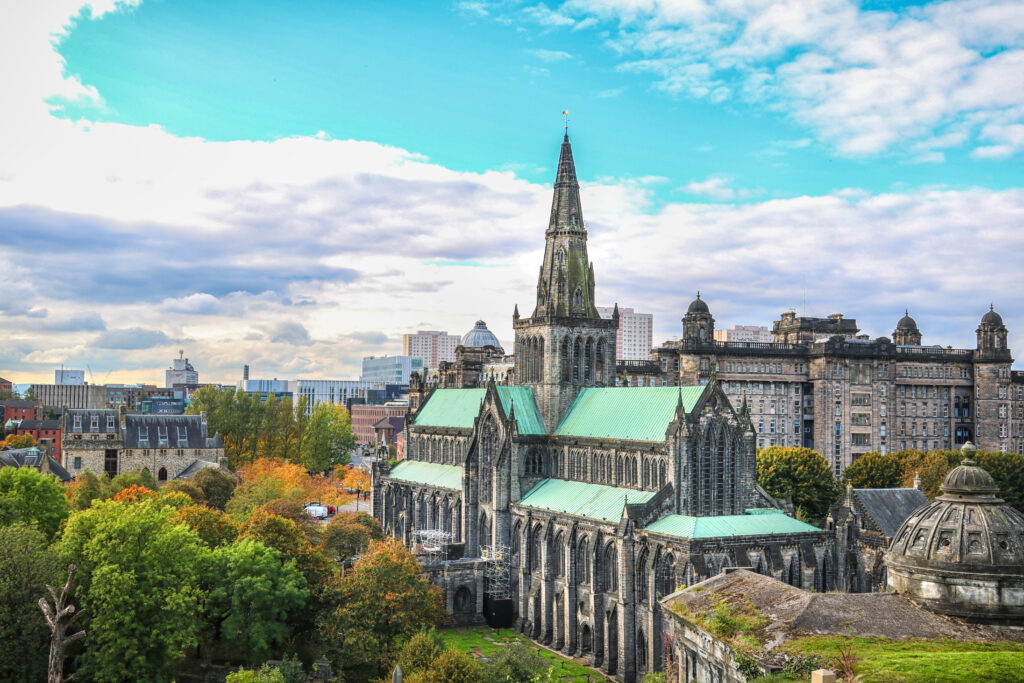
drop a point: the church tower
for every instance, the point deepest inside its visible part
(565, 344)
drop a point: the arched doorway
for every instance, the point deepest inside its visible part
(586, 640)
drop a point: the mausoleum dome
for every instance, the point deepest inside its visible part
(698, 306)
(480, 336)
(992, 318)
(907, 323)
(963, 553)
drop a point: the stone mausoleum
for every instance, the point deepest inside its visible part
(569, 506)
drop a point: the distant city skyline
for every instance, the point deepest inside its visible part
(270, 184)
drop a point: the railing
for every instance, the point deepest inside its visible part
(932, 351)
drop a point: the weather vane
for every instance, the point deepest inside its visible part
(566, 115)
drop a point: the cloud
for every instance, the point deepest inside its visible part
(289, 333)
(550, 55)
(131, 338)
(543, 15)
(864, 81)
(718, 188)
(77, 322)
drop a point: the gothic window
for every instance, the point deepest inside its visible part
(583, 561)
(661, 475)
(485, 530)
(577, 354)
(463, 600)
(610, 569)
(641, 577)
(665, 577)
(577, 297)
(599, 361)
(573, 219)
(564, 360)
(488, 454)
(588, 359)
(558, 556)
(561, 257)
(534, 549)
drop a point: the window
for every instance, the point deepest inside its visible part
(78, 463)
(110, 423)
(881, 410)
(94, 423)
(860, 399)
(882, 431)
(78, 423)
(860, 419)
(182, 434)
(861, 439)
(161, 433)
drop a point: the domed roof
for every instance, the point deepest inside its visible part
(906, 322)
(698, 306)
(965, 532)
(992, 318)
(480, 336)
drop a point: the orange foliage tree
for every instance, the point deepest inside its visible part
(266, 480)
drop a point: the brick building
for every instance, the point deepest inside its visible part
(45, 432)
(13, 409)
(365, 417)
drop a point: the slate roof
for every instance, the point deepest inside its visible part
(143, 431)
(626, 413)
(595, 501)
(194, 467)
(15, 403)
(428, 473)
(33, 457)
(724, 526)
(459, 407)
(889, 508)
(395, 423)
(86, 415)
(39, 424)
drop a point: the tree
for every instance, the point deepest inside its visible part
(29, 496)
(930, 467)
(328, 438)
(453, 666)
(19, 441)
(267, 480)
(252, 594)
(1008, 471)
(517, 662)
(356, 479)
(86, 488)
(216, 486)
(349, 534)
(26, 566)
(139, 585)
(382, 599)
(265, 674)
(60, 618)
(419, 652)
(214, 527)
(288, 538)
(142, 478)
(798, 474)
(187, 487)
(874, 471)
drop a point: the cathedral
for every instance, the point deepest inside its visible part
(567, 506)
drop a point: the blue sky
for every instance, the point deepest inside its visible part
(469, 90)
(295, 185)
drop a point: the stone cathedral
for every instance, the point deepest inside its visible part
(567, 506)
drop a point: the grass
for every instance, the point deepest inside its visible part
(918, 661)
(487, 642)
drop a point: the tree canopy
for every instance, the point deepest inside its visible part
(327, 439)
(26, 566)
(874, 471)
(798, 474)
(29, 496)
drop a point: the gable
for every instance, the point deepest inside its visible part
(626, 413)
(889, 508)
(526, 413)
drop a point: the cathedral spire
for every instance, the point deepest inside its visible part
(566, 211)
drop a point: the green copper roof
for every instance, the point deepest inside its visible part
(595, 501)
(685, 526)
(429, 473)
(451, 408)
(527, 415)
(628, 413)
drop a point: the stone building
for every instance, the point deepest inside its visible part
(572, 505)
(822, 385)
(963, 553)
(112, 442)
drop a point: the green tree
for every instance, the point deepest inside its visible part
(454, 666)
(87, 488)
(798, 474)
(349, 534)
(29, 496)
(26, 566)
(139, 583)
(380, 601)
(214, 527)
(517, 662)
(265, 674)
(216, 485)
(930, 467)
(420, 651)
(874, 471)
(1008, 471)
(327, 439)
(186, 487)
(252, 594)
(124, 480)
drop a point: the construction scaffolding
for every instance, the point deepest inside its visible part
(433, 543)
(497, 568)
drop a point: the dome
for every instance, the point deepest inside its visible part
(907, 323)
(698, 306)
(992, 318)
(963, 553)
(480, 336)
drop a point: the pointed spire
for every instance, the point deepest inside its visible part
(906, 311)
(515, 313)
(698, 294)
(566, 166)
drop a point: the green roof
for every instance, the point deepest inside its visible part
(429, 473)
(527, 416)
(627, 413)
(685, 526)
(451, 408)
(595, 501)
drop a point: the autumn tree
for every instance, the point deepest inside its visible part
(267, 480)
(215, 528)
(930, 468)
(26, 566)
(187, 487)
(349, 534)
(86, 488)
(216, 486)
(141, 477)
(139, 584)
(874, 471)
(382, 599)
(19, 441)
(454, 666)
(328, 438)
(29, 496)
(252, 594)
(798, 474)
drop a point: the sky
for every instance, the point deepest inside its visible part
(295, 185)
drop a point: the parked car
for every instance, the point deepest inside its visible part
(316, 510)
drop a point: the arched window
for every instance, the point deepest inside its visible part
(610, 569)
(162, 474)
(583, 561)
(599, 362)
(558, 556)
(485, 529)
(577, 297)
(665, 577)
(535, 549)
(488, 454)
(561, 257)
(577, 353)
(641, 577)
(463, 600)
(588, 362)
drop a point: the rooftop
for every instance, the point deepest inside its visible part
(626, 413)
(760, 523)
(428, 473)
(595, 501)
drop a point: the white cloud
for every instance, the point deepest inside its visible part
(550, 55)
(864, 81)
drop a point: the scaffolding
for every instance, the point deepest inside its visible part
(497, 579)
(433, 543)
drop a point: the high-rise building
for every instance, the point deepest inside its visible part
(181, 372)
(633, 342)
(69, 377)
(744, 333)
(432, 346)
(328, 390)
(390, 369)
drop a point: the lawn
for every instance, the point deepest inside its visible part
(919, 661)
(485, 642)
